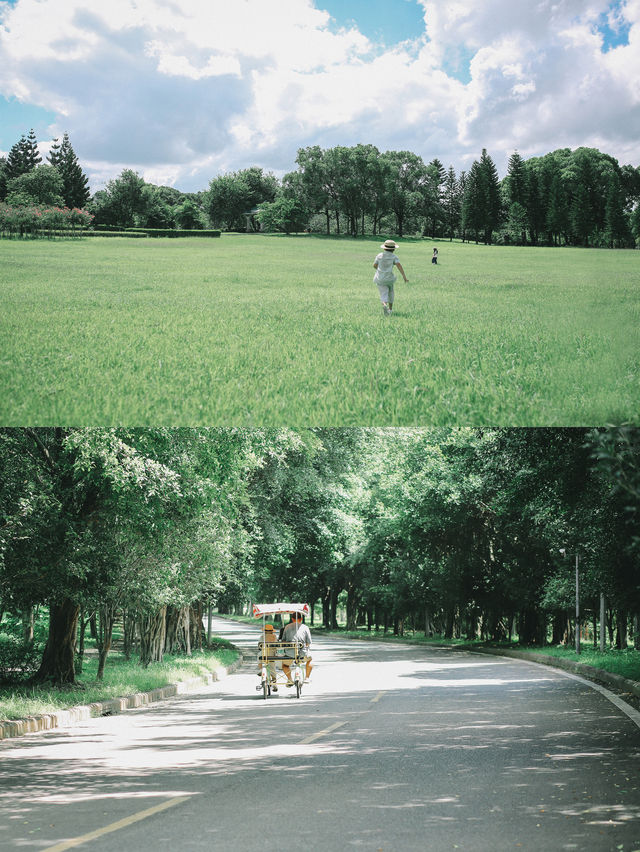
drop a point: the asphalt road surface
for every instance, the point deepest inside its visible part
(389, 748)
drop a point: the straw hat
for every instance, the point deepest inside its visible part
(389, 245)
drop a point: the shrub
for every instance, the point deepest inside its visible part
(34, 221)
(172, 232)
(18, 660)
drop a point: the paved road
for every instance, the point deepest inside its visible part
(389, 748)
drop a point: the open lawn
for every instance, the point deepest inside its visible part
(265, 330)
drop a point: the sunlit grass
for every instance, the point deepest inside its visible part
(121, 677)
(624, 662)
(265, 330)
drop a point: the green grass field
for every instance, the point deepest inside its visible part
(266, 330)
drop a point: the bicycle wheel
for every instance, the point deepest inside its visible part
(298, 689)
(265, 689)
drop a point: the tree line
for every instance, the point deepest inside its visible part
(582, 197)
(456, 532)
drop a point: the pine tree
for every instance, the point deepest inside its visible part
(451, 202)
(23, 156)
(557, 220)
(517, 179)
(54, 153)
(517, 188)
(3, 178)
(536, 203)
(32, 155)
(16, 161)
(76, 184)
(474, 201)
(491, 188)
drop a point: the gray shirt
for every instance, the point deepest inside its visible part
(297, 633)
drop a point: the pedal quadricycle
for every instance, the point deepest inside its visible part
(285, 659)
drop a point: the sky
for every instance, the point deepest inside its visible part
(184, 90)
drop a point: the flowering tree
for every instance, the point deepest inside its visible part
(23, 221)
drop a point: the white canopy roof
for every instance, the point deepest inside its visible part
(273, 608)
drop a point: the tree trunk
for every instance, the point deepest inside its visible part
(558, 625)
(621, 631)
(326, 609)
(152, 635)
(334, 609)
(105, 633)
(352, 607)
(427, 623)
(610, 627)
(28, 622)
(81, 634)
(129, 632)
(603, 623)
(58, 659)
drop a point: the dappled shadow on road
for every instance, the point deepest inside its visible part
(426, 741)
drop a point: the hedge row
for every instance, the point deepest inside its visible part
(114, 234)
(172, 232)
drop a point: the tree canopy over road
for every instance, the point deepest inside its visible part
(453, 531)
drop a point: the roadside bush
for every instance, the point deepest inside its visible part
(18, 661)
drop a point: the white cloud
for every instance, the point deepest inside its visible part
(182, 88)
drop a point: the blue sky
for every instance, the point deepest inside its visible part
(382, 21)
(181, 97)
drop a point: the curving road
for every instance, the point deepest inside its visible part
(390, 748)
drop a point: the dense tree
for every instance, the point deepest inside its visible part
(42, 185)
(232, 195)
(122, 201)
(408, 177)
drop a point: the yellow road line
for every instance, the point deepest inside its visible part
(115, 826)
(378, 697)
(317, 736)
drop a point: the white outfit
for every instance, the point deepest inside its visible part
(385, 276)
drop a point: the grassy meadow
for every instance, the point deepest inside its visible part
(266, 330)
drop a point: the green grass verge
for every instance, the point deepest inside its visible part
(121, 677)
(625, 663)
(265, 330)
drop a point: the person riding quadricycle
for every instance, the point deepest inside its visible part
(285, 659)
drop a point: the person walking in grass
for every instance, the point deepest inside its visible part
(385, 276)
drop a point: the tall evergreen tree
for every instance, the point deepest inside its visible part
(535, 204)
(16, 161)
(451, 202)
(493, 205)
(3, 178)
(76, 184)
(517, 194)
(557, 218)
(32, 154)
(474, 201)
(517, 179)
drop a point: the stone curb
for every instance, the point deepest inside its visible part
(586, 671)
(67, 718)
